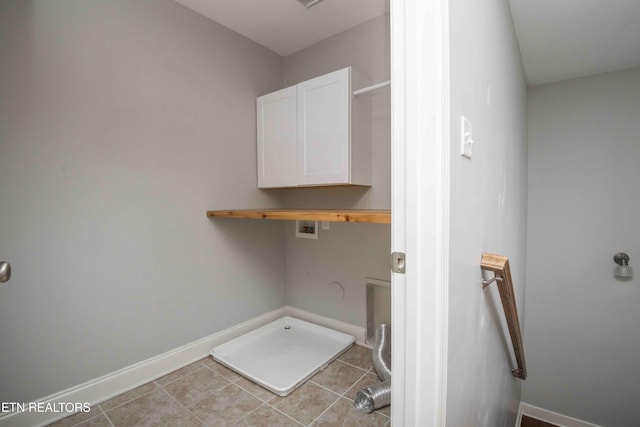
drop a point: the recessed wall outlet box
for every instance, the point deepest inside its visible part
(307, 229)
(378, 300)
(466, 137)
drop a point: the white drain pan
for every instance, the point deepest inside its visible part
(283, 354)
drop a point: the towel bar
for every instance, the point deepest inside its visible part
(499, 265)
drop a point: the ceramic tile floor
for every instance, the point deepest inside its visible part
(206, 393)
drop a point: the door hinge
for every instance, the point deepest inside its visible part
(398, 262)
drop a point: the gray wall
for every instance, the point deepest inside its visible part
(487, 212)
(347, 253)
(121, 123)
(582, 337)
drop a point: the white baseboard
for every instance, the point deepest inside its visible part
(110, 385)
(550, 417)
(115, 383)
(357, 331)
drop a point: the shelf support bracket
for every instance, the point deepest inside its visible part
(495, 278)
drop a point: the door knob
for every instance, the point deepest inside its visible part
(5, 271)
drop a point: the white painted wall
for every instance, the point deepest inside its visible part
(582, 337)
(121, 123)
(347, 253)
(487, 211)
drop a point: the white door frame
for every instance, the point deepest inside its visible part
(420, 206)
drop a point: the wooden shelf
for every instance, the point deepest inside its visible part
(373, 216)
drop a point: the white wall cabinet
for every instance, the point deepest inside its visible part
(315, 133)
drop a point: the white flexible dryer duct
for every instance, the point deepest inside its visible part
(378, 395)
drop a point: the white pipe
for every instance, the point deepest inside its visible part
(370, 88)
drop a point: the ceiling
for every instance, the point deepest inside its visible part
(559, 39)
(286, 26)
(563, 39)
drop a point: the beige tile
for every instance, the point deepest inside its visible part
(99, 421)
(224, 371)
(305, 403)
(225, 407)
(358, 356)
(148, 410)
(128, 396)
(265, 416)
(253, 388)
(204, 387)
(182, 419)
(79, 418)
(208, 360)
(343, 414)
(338, 376)
(196, 386)
(179, 373)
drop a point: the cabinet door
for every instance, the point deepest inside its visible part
(277, 139)
(323, 129)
